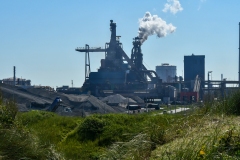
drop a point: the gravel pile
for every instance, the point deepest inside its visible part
(137, 99)
(73, 105)
(117, 98)
(88, 104)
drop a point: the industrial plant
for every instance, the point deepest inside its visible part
(128, 78)
(127, 75)
(118, 73)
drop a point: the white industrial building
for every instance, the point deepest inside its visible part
(166, 72)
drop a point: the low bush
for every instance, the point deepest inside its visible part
(36, 116)
(91, 128)
(8, 111)
(232, 104)
(16, 141)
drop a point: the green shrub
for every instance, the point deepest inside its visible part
(233, 104)
(35, 116)
(91, 128)
(16, 143)
(229, 106)
(8, 113)
(120, 127)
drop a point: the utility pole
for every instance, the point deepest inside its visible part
(14, 75)
(209, 82)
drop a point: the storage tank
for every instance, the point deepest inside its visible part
(166, 72)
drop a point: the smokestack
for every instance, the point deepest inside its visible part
(14, 75)
(113, 32)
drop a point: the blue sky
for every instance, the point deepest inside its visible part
(39, 37)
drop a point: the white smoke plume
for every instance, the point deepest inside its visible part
(173, 6)
(152, 24)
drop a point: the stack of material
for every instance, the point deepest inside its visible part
(21, 96)
(81, 105)
(137, 99)
(89, 104)
(73, 105)
(116, 99)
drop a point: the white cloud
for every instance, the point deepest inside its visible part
(173, 6)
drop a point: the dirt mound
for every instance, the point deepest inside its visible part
(88, 104)
(117, 98)
(73, 105)
(137, 99)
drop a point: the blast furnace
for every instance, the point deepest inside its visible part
(118, 73)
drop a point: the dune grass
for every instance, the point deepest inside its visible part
(89, 138)
(212, 137)
(16, 142)
(210, 132)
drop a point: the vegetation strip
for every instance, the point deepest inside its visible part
(210, 132)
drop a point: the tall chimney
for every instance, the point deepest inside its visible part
(14, 75)
(113, 33)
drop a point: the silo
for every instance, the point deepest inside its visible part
(166, 72)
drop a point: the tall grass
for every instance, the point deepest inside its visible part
(211, 138)
(139, 147)
(211, 132)
(16, 141)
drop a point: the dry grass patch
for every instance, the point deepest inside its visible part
(212, 137)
